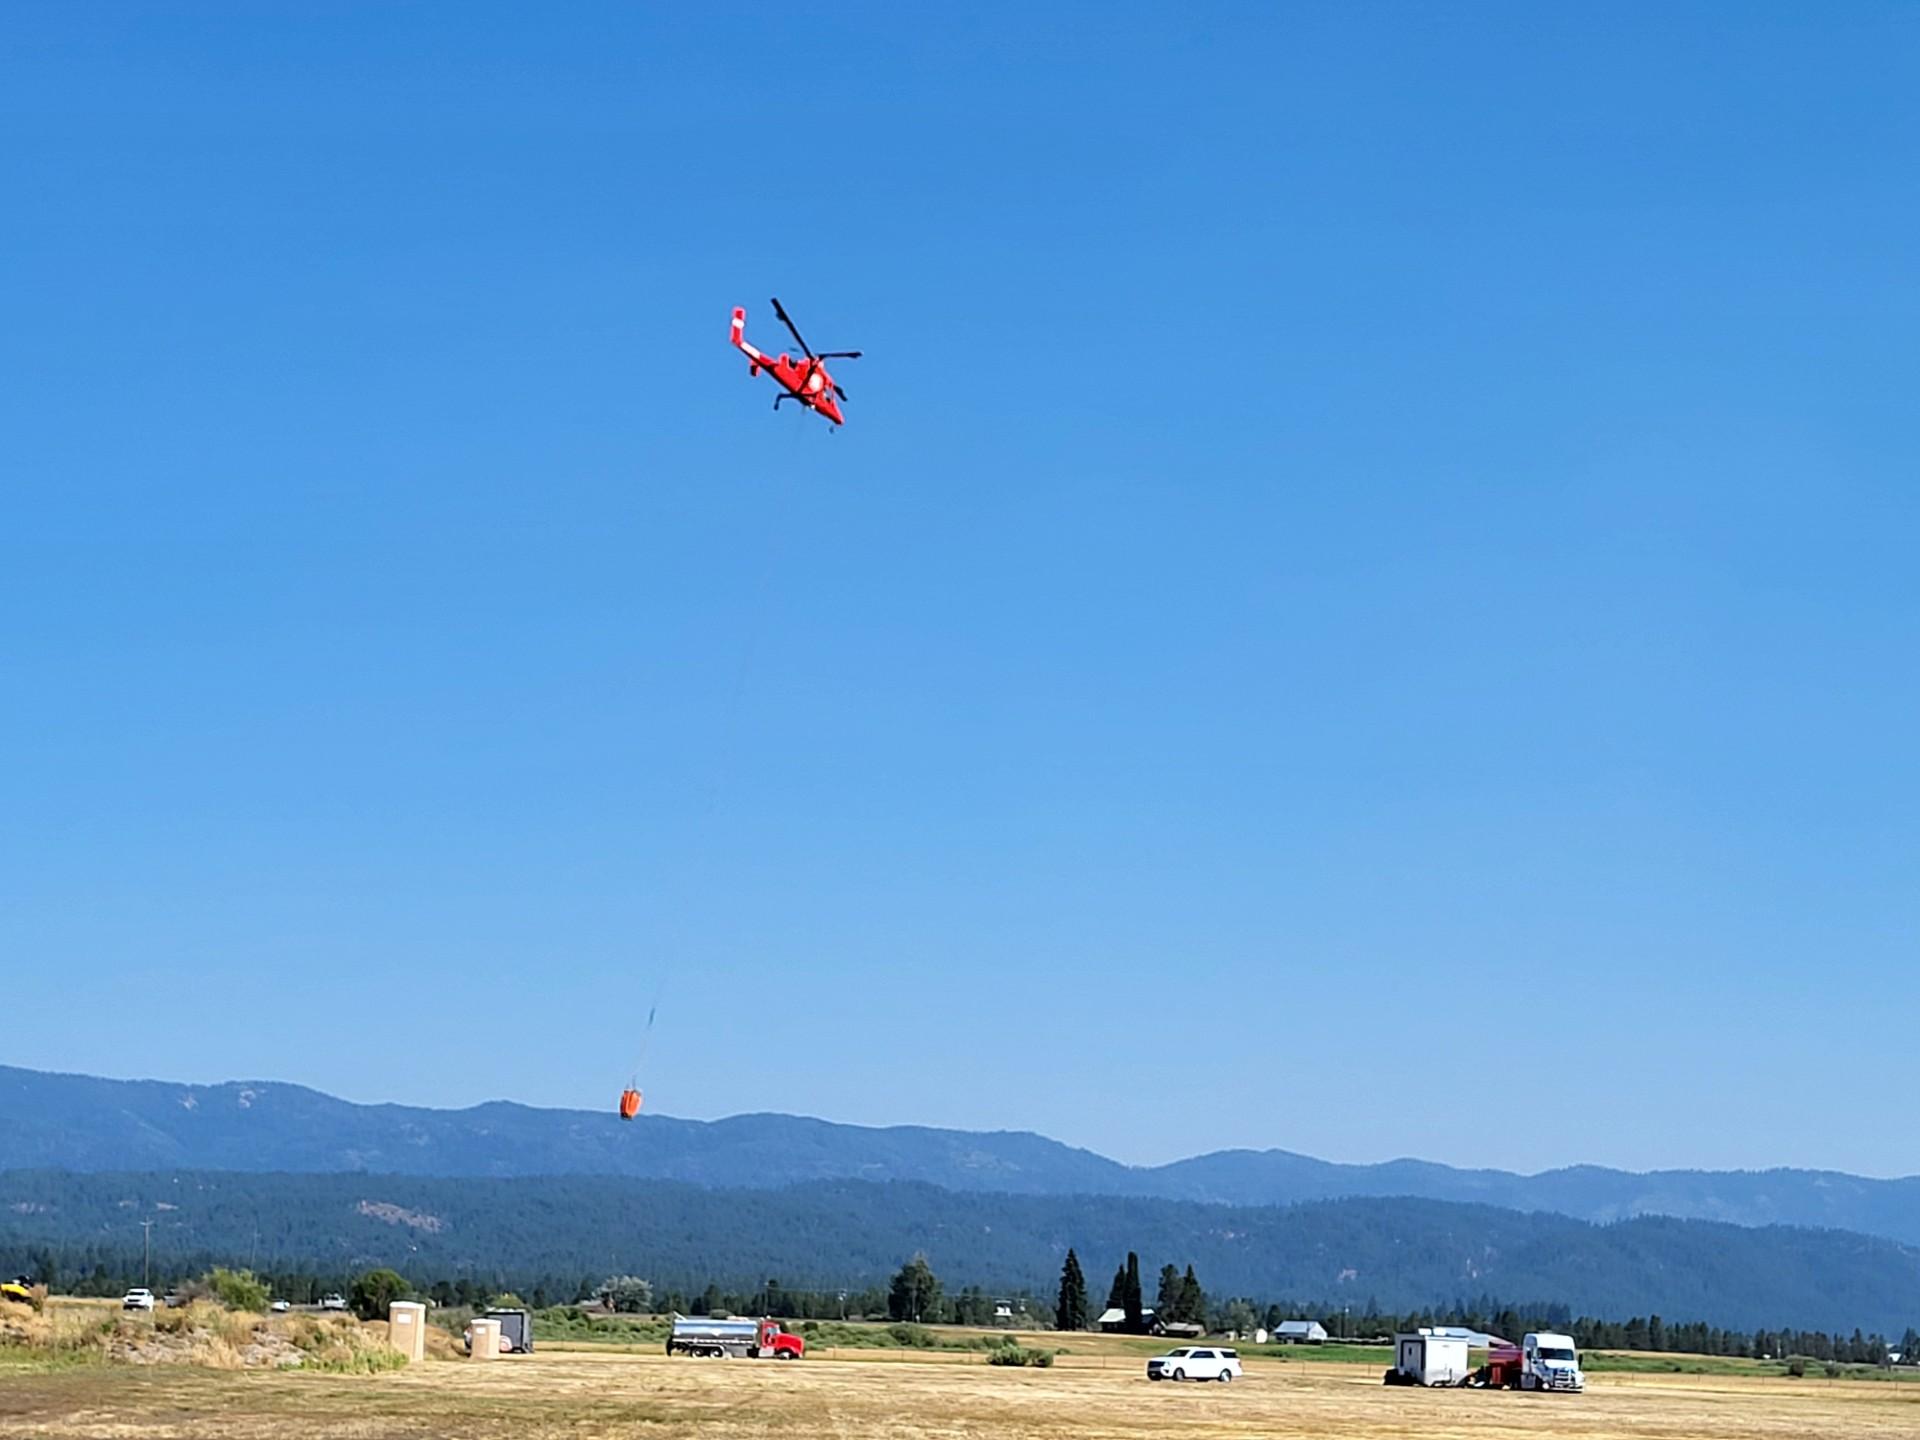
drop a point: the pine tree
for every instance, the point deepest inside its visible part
(1166, 1301)
(1117, 1292)
(1135, 1300)
(1193, 1301)
(915, 1292)
(1071, 1312)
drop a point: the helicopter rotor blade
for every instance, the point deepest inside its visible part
(838, 391)
(780, 311)
(839, 355)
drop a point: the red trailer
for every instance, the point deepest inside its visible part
(1502, 1370)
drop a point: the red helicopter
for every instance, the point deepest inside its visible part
(804, 380)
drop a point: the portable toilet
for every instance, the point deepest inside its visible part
(407, 1328)
(485, 1339)
(1423, 1358)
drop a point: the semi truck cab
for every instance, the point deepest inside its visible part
(1549, 1361)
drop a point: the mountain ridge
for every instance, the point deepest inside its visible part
(822, 1235)
(90, 1124)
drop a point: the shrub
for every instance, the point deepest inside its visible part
(373, 1292)
(1022, 1355)
(567, 1322)
(235, 1330)
(335, 1343)
(903, 1336)
(236, 1289)
(452, 1319)
(1834, 1372)
(23, 1326)
(627, 1294)
(1797, 1366)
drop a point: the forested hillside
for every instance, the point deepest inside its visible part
(1398, 1253)
(82, 1123)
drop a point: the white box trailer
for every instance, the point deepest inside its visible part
(1421, 1357)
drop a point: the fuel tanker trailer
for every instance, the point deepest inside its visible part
(724, 1339)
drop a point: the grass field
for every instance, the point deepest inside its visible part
(949, 1395)
(826, 1337)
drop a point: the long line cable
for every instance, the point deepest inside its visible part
(703, 843)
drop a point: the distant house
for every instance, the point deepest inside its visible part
(1002, 1310)
(1114, 1322)
(1300, 1332)
(1181, 1330)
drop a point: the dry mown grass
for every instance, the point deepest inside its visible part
(581, 1394)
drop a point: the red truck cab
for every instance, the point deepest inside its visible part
(778, 1344)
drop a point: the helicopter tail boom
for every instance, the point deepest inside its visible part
(737, 333)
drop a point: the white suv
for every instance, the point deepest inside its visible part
(1195, 1362)
(137, 1298)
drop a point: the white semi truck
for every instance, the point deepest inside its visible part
(1543, 1360)
(1549, 1361)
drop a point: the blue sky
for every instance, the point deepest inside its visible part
(1373, 552)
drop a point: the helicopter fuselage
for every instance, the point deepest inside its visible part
(804, 379)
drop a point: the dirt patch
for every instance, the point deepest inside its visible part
(391, 1214)
(130, 1346)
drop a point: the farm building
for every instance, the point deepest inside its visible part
(1300, 1332)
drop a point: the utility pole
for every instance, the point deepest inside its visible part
(146, 1265)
